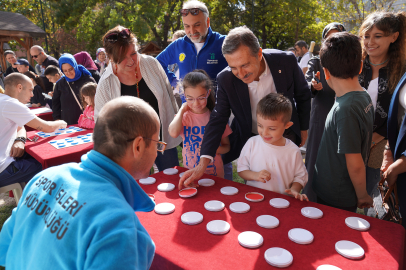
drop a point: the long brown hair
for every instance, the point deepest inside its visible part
(36, 78)
(389, 23)
(196, 77)
(88, 90)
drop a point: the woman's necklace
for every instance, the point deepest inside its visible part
(378, 64)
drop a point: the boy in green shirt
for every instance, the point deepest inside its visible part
(339, 179)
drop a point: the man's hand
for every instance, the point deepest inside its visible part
(262, 176)
(17, 150)
(396, 168)
(189, 177)
(365, 201)
(303, 134)
(296, 194)
(51, 93)
(317, 86)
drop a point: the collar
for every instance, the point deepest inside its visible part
(114, 173)
(266, 71)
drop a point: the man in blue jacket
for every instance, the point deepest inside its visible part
(199, 49)
(81, 215)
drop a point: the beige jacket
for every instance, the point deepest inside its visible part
(109, 88)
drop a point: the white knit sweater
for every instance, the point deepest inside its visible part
(109, 88)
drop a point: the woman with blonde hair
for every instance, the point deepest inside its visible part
(133, 74)
(383, 43)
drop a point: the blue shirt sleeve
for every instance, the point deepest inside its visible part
(165, 58)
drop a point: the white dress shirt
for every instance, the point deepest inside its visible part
(258, 90)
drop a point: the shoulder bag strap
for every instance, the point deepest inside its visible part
(73, 93)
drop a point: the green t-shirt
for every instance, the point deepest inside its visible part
(348, 130)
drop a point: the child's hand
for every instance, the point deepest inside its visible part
(263, 176)
(296, 194)
(184, 108)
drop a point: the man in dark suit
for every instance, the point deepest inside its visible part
(252, 73)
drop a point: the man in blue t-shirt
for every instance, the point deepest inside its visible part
(199, 49)
(81, 215)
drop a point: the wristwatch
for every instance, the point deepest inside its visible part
(21, 139)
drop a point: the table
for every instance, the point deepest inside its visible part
(47, 116)
(180, 246)
(49, 156)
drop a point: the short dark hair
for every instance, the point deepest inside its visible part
(52, 70)
(196, 77)
(274, 105)
(119, 121)
(341, 55)
(14, 79)
(301, 44)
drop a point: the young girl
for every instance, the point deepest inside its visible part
(38, 99)
(192, 118)
(87, 93)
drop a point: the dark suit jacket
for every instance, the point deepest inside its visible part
(233, 95)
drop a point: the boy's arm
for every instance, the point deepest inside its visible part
(175, 127)
(261, 176)
(295, 191)
(224, 147)
(300, 179)
(356, 170)
(244, 169)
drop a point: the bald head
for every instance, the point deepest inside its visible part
(38, 54)
(120, 121)
(18, 86)
(37, 49)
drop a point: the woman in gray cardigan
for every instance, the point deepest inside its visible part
(134, 74)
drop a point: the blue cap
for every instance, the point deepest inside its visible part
(22, 62)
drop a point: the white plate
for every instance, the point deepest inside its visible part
(206, 182)
(192, 218)
(170, 171)
(267, 221)
(239, 207)
(278, 257)
(147, 181)
(166, 187)
(349, 249)
(328, 267)
(214, 206)
(312, 212)
(300, 236)
(164, 208)
(357, 223)
(229, 190)
(250, 239)
(279, 203)
(190, 192)
(218, 227)
(258, 197)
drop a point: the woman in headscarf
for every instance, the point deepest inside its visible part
(323, 99)
(101, 60)
(84, 59)
(66, 98)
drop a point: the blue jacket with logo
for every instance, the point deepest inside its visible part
(183, 52)
(79, 216)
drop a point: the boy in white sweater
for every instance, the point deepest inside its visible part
(269, 160)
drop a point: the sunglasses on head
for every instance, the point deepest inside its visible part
(113, 37)
(193, 11)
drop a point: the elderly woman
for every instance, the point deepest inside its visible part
(101, 60)
(84, 59)
(138, 75)
(66, 98)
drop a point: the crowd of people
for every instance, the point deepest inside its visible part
(222, 98)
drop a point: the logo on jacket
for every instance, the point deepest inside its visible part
(182, 57)
(212, 59)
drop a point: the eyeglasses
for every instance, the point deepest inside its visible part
(113, 37)
(199, 99)
(161, 146)
(193, 11)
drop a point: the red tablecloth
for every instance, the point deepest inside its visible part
(180, 246)
(45, 116)
(49, 156)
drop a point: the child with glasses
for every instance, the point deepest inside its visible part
(192, 118)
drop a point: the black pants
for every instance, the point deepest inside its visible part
(351, 209)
